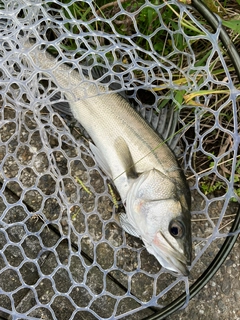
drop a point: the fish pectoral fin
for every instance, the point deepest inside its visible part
(127, 226)
(100, 160)
(125, 157)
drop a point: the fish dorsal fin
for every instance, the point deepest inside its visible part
(164, 122)
(100, 160)
(125, 157)
(60, 103)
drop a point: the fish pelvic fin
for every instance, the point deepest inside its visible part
(127, 226)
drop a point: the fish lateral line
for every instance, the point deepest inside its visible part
(131, 168)
(150, 152)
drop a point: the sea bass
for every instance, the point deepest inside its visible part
(145, 171)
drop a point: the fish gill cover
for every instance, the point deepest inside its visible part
(64, 254)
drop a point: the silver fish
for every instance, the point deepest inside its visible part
(145, 171)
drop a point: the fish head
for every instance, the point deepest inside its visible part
(160, 213)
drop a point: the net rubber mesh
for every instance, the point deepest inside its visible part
(64, 254)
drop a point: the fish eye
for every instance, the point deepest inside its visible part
(176, 229)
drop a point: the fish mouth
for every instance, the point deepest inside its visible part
(168, 256)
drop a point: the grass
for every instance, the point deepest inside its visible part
(162, 30)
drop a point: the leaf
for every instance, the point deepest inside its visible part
(236, 178)
(232, 24)
(179, 96)
(215, 7)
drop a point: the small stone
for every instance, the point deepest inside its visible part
(237, 295)
(223, 270)
(229, 263)
(221, 305)
(226, 286)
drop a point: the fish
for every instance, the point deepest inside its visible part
(145, 171)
